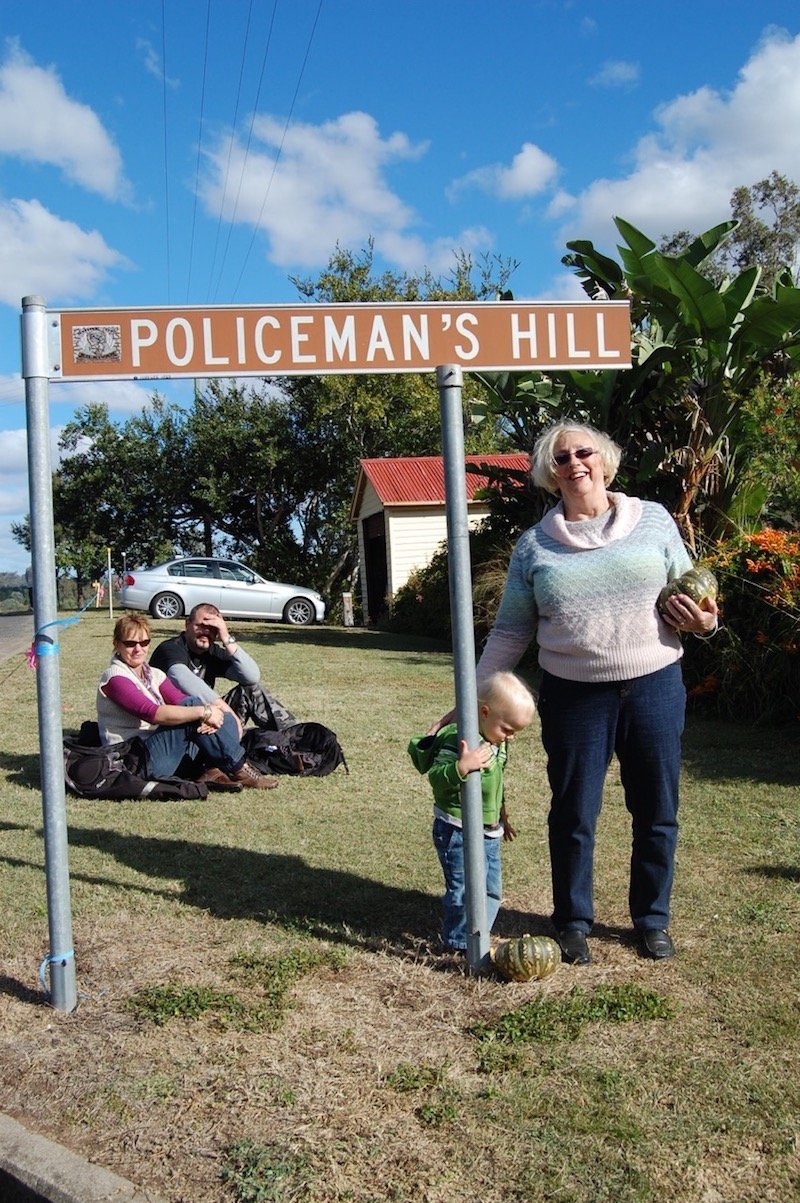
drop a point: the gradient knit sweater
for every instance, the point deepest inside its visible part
(587, 592)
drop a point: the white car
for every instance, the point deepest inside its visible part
(170, 590)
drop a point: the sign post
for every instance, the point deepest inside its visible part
(61, 958)
(293, 340)
(450, 379)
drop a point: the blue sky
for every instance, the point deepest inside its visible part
(165, 151)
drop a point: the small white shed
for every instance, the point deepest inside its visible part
(399, 506)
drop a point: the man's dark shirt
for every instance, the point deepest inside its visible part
(205, 665)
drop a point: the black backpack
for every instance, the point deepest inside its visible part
(116, 771)
(300, 750)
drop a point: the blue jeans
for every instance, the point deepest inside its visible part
(583, 725)
(167, 746)
(449, 843)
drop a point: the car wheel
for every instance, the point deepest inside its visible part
(299, 612)
(166, 605)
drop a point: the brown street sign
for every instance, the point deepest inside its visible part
(315, 340)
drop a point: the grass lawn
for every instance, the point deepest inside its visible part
(263, 1014)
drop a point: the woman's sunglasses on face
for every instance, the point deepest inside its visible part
(563, 457)
(135, 642)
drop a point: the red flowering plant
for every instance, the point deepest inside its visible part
(751, 669)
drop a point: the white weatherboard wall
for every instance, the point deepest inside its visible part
(413, 535)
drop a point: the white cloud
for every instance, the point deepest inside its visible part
(40, 123)
(152, 63)
(14, 459)
(531, 171)
(121, 396)
(414, 254)
(616, 73)
(309, 187)
(13, 556)
(707, 143)
(41, 253)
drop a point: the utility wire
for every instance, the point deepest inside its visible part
(246, 151)
(280, 149)
(166, 154)
(230, 145)
(199, 150)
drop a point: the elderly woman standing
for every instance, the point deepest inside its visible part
(134, 699)
(584, 583)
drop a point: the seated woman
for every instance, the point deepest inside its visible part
(134, 699)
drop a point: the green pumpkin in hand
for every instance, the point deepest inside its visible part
(698, 583)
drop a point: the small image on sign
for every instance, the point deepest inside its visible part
(97, 344)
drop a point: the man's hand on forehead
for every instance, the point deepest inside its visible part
(209, 620)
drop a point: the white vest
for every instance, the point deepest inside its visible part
(116, 725)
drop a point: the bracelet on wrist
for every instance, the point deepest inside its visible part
(206, 712)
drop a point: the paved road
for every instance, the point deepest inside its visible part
(16, 634)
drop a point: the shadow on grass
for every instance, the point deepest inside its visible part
(363, 638)
(21, 770)
(17, 989)
(281, 889)
(237, 883)
(783, 872)
(716, 749)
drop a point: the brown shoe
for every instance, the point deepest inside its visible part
(250, 778)
(215, 779)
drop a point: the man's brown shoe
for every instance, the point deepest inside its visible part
(250, 778)
(215, 779)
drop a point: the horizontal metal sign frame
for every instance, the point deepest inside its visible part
(165, 342)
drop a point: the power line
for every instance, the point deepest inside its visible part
(280, 149)
(230, 143)
(166, 152)
(246, 152)
(199, 150)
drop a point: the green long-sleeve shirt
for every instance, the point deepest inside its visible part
(446, 782)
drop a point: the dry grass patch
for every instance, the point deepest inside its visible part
(262, 1014)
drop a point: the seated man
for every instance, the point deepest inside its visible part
(192, 661)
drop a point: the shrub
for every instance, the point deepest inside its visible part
(751, 669)
(422, 605)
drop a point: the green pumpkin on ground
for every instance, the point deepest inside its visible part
(526, 957)
(698, 583)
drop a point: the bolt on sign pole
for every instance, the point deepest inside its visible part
(449, 379)
(61, 958)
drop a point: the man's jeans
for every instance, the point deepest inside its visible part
(167, 746)
(449, 843)
(582, 726)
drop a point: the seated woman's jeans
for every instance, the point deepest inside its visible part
(167, 746)
(449, 843)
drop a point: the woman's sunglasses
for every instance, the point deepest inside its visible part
(563, 457)
(135, 642)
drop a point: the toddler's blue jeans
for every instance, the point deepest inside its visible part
(449, 843)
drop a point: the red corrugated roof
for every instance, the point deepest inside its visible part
(419, 480)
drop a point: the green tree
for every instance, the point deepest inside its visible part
(766, 235)
(265, 472)
(699, 349)
(340, 420)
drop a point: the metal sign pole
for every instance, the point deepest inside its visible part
(61, 958)
(449, 379)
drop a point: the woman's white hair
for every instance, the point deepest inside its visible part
(543, 467)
